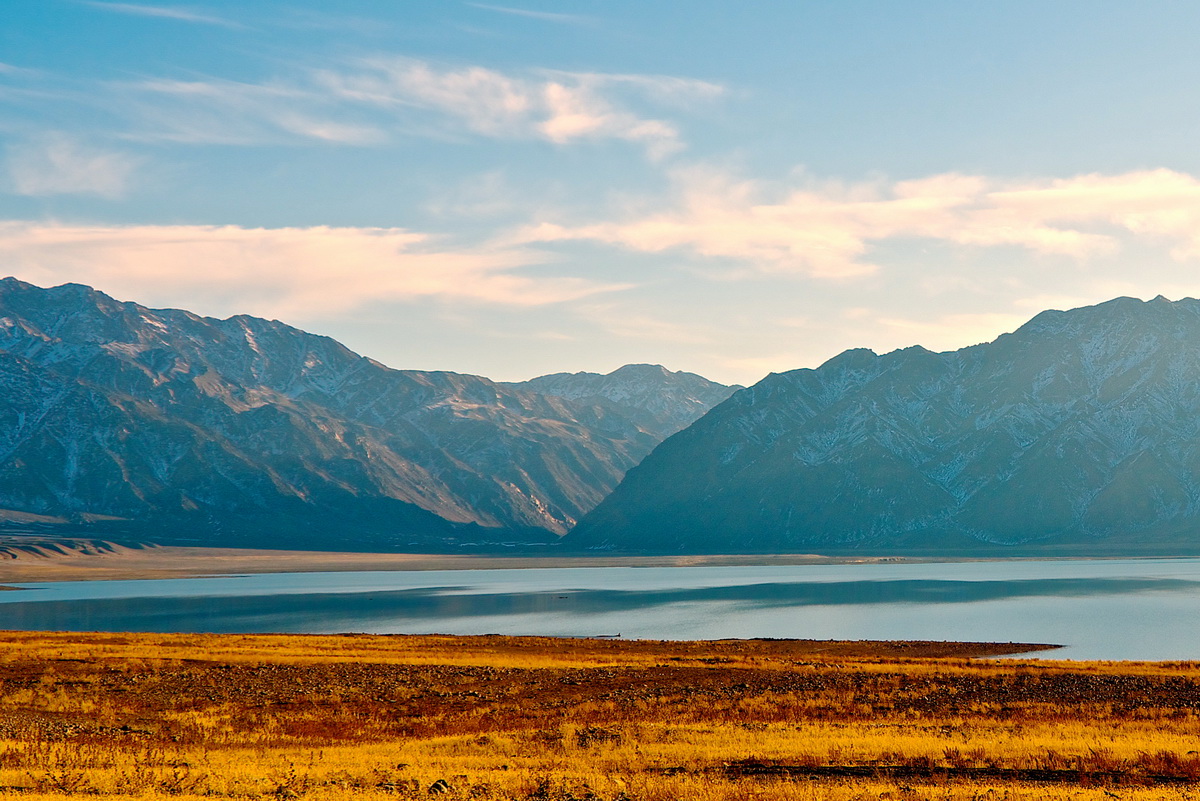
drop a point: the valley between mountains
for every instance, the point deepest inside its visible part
(1079, 432)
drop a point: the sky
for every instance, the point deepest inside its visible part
(512, 190)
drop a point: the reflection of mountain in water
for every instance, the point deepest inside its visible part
(423, 608)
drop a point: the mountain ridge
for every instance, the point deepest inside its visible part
(662, 401)
(1078, 427)
(118, 410)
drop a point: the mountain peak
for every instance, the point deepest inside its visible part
(659, 400)
(655, 370)
(1080, 429)
(854, 358)
(176, 422)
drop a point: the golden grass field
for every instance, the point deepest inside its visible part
(363, 717)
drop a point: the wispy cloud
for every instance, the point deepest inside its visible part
(560, 107)
(827, 230)
(280, 272)
(12, 69)
(376, 99)
(547, 16)
(162, 12)
(58, 164)
(235, 113)
(333, 19)
(666, 89)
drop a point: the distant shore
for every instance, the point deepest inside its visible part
(82, 560)
(162, 562)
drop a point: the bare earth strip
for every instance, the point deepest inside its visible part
(32, 563)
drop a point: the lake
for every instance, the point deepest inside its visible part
(1099, 609)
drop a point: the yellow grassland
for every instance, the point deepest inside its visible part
(537, 719)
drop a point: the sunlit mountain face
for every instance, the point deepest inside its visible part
(199, 429)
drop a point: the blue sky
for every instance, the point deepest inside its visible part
(509, 190)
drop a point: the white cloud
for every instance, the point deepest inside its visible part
(546, 16)
(577, 112)
(58, 164)
(161, 12)
(377, 98)
(234, 113)
(715, 216)
(277, 272)
(488, 102)
(828, 230)
(1159, 204)
(666, 89)
(560, 107)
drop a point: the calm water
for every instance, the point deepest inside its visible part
(1109, 609)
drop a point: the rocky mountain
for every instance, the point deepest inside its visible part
(658, 400)
(189, 427)
(1079, 430)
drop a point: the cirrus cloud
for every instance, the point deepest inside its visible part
(369, 101)
(161, 12)
(238, 113)
(545, 16)
(560, 107)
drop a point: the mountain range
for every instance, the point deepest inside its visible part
(1080, 430)
(185, 428)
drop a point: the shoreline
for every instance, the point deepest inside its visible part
(82, 560)
(119, 563)
(484, 648)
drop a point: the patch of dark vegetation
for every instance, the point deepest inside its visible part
(1132, 773)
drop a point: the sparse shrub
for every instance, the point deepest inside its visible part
(180, 780)
(291, 784)
(595, 735)
(61, 780)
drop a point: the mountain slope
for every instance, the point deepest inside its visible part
(1081, 427)
(658, 400)
(113, 409)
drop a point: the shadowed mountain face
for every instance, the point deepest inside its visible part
(1082, 428)
(215, 428)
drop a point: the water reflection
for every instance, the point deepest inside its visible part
(654, 612)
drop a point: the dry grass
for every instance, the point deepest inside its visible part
(148, 716)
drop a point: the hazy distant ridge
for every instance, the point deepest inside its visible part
(660, 401)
